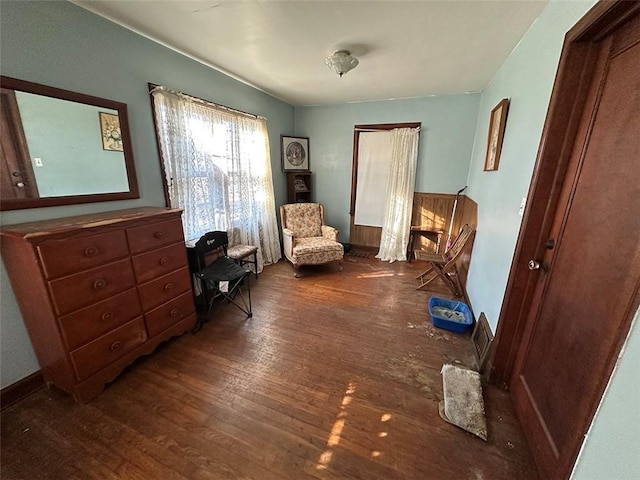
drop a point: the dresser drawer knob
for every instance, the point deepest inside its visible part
(168, 286)
(164, 261)
(106, 316)
(99, 284)
(91, 252)
(115, 346)
(158, 235)
(173, 312)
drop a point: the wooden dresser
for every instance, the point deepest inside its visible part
(98, 291)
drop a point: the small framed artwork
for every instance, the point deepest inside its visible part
(497, 125)
(110, 131)
(299, 185)
(295, 153)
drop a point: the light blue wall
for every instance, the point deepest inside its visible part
(65, 46)
(526, 78)
(446, 141)
(611, 448)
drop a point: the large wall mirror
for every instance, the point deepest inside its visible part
(62, 148)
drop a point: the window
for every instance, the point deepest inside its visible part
(217, 168)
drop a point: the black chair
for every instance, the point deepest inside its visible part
(221, 278)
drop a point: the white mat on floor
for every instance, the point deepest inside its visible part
(463, 404)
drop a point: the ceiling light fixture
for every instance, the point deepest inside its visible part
(341, 62)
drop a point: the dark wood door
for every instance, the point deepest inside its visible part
(588, 283)
(16, 173)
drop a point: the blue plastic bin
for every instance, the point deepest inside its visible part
(451, 324)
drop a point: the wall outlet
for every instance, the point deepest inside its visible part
(37, 161)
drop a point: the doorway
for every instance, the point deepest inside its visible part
(16, 171)
(367, 234)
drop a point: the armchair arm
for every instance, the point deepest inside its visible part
(330, 232)
(287, 240)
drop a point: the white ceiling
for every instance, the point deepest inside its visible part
(406, 48)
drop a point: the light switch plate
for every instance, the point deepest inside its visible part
(523, 203)
(37, 161)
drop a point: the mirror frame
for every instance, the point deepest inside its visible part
(36, 88)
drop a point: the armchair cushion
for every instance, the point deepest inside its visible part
(304, 219)
(316, 250)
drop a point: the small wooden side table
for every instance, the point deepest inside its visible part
(419, 231)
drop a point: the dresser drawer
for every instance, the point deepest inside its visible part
(108, 348)
(161, 318)
(165, 288)
(81, 289)
(154, 235)
(84, 325)
(63, 257)
(159, 262)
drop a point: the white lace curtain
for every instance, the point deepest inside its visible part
(399, 199)
(218, 169)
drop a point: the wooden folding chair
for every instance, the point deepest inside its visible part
(444, 266)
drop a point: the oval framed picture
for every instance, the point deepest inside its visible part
(294, 153)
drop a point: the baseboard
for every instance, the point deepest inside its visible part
(21, 389)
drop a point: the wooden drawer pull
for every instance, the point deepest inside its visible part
(164, 261)
(99, 284)
(158, 235)
(106, 316)
(174, 312)
(90, 252)
(168, 287)
(115, 346)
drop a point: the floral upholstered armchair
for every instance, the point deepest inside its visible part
(307, 240)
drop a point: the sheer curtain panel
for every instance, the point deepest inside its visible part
(217, 168)
(399, 198)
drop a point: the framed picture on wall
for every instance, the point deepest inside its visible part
(295, 153)
(110, 131)
(497, 125)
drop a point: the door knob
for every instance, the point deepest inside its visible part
(534, 265)
(20, 185)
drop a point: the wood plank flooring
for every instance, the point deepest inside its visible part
(336, 376)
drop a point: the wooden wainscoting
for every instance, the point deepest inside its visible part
(467, 214)
(365, 237)
(431, 211)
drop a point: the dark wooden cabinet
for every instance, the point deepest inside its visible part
(98, 291)
(299, 187)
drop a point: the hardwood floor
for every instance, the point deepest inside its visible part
(336, 376)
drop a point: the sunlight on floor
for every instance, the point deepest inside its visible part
(377, 274)
(336, 430)
(338, 426)
(384, 418)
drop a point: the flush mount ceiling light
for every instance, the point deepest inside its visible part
(341, 62)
